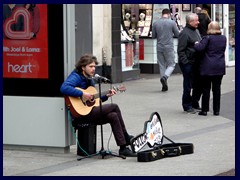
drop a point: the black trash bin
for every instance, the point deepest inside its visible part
(87, 139)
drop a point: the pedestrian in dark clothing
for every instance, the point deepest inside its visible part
(204, 20)
(187, 58)
(81, 77)
(212, 66)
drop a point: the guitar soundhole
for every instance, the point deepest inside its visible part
(90, 103)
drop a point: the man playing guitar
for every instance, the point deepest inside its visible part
(81, 77)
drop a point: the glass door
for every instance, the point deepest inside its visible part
(231, 32)
(225, 15)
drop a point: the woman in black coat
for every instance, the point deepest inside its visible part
(212, 66)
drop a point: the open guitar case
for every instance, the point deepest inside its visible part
(153, 137)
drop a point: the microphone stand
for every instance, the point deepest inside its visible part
(102, 151)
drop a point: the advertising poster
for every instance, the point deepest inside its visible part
(25, 41)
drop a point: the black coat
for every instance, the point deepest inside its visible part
(213, 49)
(203, 23)
(187, 37)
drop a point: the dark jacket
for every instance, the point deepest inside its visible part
(203, 23)
(213, 61)
(187, 37)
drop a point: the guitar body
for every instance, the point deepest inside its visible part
(80, 107)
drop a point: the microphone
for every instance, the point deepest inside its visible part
(101, 78)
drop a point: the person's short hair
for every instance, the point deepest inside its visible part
(84, 61)
(214, 28)
(197, 10)
(166, 11)
(190, 17)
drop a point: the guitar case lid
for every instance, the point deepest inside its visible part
(153, 137)
(152, 134)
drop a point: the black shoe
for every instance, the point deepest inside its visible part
(216, 113)
(202, 113)
(127, 152)
(191, 111)
(164, 83)
(164, 89)
(128, 138)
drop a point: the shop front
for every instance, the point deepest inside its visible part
(139, 49)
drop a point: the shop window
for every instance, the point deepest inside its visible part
(136, 20)
(231, 32)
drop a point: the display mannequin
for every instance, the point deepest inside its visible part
(127, 21)
(142, 20)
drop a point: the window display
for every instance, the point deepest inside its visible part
(231, 32)
(137, 19)
(127, 21)
(174, 8)
(145, 20)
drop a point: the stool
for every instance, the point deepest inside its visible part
(87, 138)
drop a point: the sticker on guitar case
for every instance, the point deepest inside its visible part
(152, 134)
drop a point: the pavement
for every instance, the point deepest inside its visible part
(213, 137)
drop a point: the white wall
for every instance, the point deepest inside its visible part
(102, 31)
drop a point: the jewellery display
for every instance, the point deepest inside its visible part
(137, 19)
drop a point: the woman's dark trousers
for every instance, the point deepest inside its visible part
(214, 83)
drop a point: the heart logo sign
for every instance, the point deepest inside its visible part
(25, 27)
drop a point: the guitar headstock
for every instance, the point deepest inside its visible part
(120, 88)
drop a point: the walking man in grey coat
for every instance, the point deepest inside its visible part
(164, 29)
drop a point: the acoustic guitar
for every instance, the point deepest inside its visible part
(80, 107)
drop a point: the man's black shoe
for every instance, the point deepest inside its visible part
(128, 139)
(127, 152)
(164, 83)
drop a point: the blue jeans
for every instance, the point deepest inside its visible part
(187, 85)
